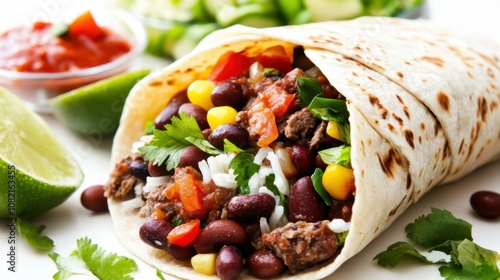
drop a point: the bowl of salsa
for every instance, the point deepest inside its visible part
(43, 59)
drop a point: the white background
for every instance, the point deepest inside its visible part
(70, 221)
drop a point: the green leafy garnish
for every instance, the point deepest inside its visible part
(149, 127)
(329, 109)
(308, 88)
(167, 145)
(437, 228)
(31, 234)
(441, 231)
(341, 236)
(89, 259)
(230, 147)
(203, 145)
(158, 273)
(316, 179)
(340, 155)
(244, 168)
(59, 29)
(269, 184)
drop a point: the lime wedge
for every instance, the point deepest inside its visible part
(37, 172)
(95, 109)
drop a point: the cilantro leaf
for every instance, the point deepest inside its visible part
(438, 227)
(203, 145)
(340, 155)
(230, 147)
(316, 179)
(167, 145)
(89, 259)
(308, 88)
(394, 253)
(244, 168)
(471, 262)
(31, 234)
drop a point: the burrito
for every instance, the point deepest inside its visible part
(282, 152)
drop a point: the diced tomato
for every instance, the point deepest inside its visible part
(263, 123)
(185, 234)
(278, 100)
(40, 25)
(276, 57)
(190, 192)
(230, 65)
(86, 25)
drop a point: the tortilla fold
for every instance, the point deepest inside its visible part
(423, 103)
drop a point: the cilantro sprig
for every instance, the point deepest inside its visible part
(31, 233)
(441, 231)
(167, 145)
(90, 259)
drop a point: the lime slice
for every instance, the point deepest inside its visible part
(95, 109)
(37, 172)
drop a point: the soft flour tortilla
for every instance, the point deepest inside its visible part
(423, 103)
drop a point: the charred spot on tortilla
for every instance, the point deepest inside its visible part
(461, 147)
(391, 128)
(325, 39)
(482, 108)
(434, 60)
(409, 138)
(400, 75)
(398, 119)
(389, 162)
(443, 101)
(469, 74)
(437, 128)
(376, 102)
(170, 82)
(408, 182)
(490, 73)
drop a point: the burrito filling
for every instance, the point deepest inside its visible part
(256, 158)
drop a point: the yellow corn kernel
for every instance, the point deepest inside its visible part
(199, 93)
(338, 181)
(332, 129)
(204, 263)
(221, 115)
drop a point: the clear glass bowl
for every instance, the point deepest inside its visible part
(37, 88)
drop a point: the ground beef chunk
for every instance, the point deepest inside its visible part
(157, 205)
(125, 177)
(302, 245)
(299, 125)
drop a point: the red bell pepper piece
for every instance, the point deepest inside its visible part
(185, 234)
(276, 57)
(85, 24)
(230, 65)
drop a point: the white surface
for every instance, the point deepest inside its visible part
(71, 221)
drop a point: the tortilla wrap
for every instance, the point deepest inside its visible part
(423, 103)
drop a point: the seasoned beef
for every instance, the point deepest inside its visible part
(302, 245)
(123, 179)
(157, 205)
(299, 125)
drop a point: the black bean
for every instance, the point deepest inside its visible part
(250, 207)
(154, 232)
(219, 233)
(235, 133)
(196, 112)
(158, 170)
(486, 203)
(191, 155)
(304, 203)
(265, 264)
(227, 93)
(170, 110)
(93, 199)
(139, 168)
(229, 263)
(303, 160)
(318, 162)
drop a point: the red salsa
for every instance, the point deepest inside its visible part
(37, 49)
